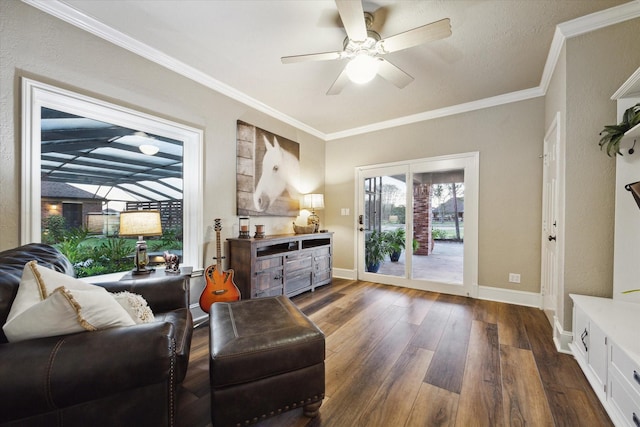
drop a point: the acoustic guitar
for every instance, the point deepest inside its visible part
(220, 286)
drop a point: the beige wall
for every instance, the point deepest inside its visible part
(509, 139)
(36, 45)
(597, 64)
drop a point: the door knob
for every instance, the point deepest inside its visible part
(552, 238)
(361, 229)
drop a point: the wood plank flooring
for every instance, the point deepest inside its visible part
(403, 357)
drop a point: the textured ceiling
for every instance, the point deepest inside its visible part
(497, 47)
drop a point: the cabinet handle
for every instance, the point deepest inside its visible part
(636, 420)
(636, 376)
(582, 337)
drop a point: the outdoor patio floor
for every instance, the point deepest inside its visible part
(445, 264)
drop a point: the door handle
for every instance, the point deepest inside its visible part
(361, 229)
(552, 238)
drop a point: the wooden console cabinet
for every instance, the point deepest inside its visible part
(281, 265)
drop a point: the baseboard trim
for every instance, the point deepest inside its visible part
(345, 273)
(510, 296)
(561, 338)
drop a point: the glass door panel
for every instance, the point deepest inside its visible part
(438, 226)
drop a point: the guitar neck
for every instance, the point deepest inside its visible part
(218, 251)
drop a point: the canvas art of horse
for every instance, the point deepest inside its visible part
(280, 173)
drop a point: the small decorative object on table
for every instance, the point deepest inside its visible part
(260, 234)
(244, 227)
(171, 262)
(304, 229)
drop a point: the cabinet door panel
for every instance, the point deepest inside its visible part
(267, 279)
(322, 263)
(598, 352)
(581, 332)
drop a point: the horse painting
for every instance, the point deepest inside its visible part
(280, 173)
(268, 170)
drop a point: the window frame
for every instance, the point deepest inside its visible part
(36, 95)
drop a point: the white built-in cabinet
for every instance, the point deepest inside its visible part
(606, 344)
(606, 331)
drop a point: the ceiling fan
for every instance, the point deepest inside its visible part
(364, 48)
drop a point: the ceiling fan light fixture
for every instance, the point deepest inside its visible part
(149, 149)
(362, 69)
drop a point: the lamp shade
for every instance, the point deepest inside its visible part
(140, 223)
(312, 201)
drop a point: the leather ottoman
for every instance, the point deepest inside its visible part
(266, 357)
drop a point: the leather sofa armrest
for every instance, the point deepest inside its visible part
(163, 293)
(43, 374)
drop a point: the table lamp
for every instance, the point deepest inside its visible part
(140, 223)
(312, 202)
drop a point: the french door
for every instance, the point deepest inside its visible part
(397, 202)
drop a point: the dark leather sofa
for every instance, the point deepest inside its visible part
(122, 376)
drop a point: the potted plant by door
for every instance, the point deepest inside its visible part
(396, 240)
(375, 249)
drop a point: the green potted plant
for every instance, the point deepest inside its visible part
(376, 248)
(613, 134)
(396, 240)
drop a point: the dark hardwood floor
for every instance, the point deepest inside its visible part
(403, 357)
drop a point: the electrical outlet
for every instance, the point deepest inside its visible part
(514, 278)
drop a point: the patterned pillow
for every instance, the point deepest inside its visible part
(136, 306)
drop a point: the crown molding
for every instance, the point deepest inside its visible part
(74, 17)
(494, 101)
(563, 31)
(583, 25)
(629, 88)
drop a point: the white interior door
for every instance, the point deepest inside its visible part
(551, 221)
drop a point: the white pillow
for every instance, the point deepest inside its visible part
(94, 307)
(135, 305)
(31, 291)
(68, 311)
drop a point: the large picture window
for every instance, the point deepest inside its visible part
(85, 161)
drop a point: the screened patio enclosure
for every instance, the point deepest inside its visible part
(116, 167)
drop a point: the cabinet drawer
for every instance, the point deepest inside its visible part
(264, 263)
(625, 401)
(628, 370)
(297, 263)
(295, 283)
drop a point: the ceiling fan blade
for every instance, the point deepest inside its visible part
(393, 74)
(434, 31)
(326, 56)
(352, 16)
(339, 84)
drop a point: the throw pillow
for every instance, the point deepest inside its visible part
(135, 305)
(96, 308)
(67, 311)
(31, 291)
